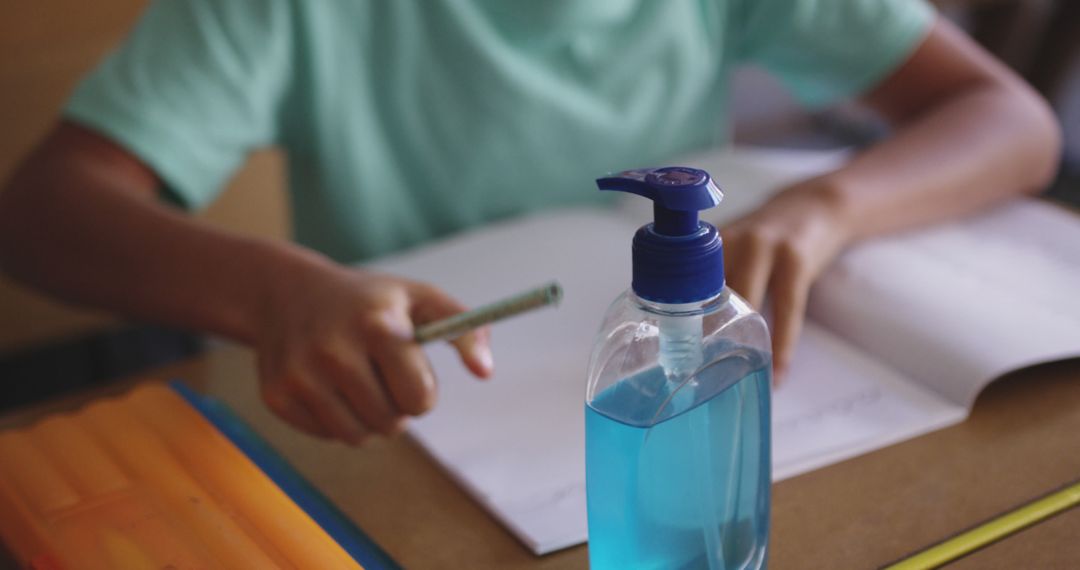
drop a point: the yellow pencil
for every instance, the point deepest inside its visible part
(995, 529)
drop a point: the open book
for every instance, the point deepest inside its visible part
(903, 333)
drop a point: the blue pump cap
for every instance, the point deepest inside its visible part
(677, 258)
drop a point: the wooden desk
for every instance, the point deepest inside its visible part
(1022, 440)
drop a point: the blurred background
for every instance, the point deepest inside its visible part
(47, 45)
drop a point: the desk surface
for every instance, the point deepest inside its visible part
(1022, 440)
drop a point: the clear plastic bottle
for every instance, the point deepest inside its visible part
(677, 404)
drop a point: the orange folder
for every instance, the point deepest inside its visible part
(146, 481)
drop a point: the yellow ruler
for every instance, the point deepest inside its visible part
(995, 529)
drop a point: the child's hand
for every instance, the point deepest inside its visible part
(336, 356)
(779, 250)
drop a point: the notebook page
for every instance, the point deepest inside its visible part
(959, 304)
(838, 403)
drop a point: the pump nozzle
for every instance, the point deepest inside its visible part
(678, 194)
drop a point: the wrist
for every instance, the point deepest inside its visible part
(278, 275)
(831, 198)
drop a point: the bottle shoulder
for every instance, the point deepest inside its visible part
(728, 317)
(732, 340)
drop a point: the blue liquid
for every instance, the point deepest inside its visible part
(678, 475)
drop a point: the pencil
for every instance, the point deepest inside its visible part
(992, 530)
(462, 323)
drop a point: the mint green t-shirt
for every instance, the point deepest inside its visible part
(404, 120)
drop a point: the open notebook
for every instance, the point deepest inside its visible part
(903, 334)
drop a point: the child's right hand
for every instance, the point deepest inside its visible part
(336, 356)
(334, 345)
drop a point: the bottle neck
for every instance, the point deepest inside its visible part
(701, 307)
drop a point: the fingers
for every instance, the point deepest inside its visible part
(309, 405)
(292, 411)
(749, 261)
(789, 288)
(758, 265)
(402, 364)
(474, 348)
(339, 394)
(356, 380)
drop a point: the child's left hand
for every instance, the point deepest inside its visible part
(779, 250)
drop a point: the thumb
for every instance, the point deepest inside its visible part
(474, 347)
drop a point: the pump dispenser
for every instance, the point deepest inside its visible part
(677, 403)
(677, 259)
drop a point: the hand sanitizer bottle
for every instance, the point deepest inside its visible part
(677, 404)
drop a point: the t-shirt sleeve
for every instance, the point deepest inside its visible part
(827, 50)
(195, 87)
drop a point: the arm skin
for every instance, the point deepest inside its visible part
(968, 134)
(80, 219)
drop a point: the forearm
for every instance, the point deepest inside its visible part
(982, 145)
(67, 228)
